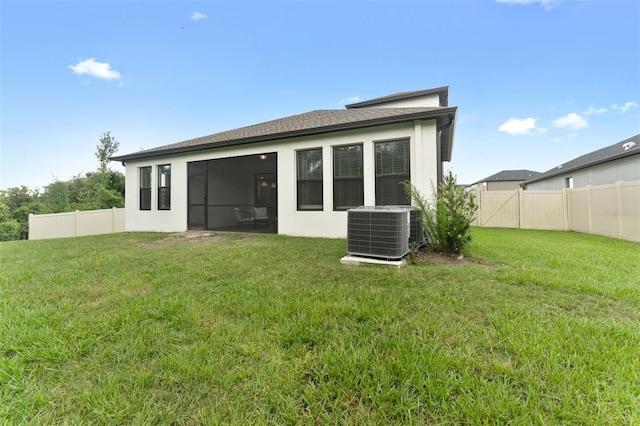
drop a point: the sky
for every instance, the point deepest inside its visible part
(536, 82)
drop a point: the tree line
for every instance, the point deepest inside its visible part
(102, 189)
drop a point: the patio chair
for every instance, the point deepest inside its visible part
(244, 217)
(261, 216)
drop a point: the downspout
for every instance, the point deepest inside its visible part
(439, 157)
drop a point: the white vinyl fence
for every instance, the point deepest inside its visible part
(75, 224)
(610, 210)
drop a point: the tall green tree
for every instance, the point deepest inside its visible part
(107, 147)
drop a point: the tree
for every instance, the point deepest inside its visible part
(57, 197)
(446, 218)
(102, 189)
(17, 197)
(107, 147)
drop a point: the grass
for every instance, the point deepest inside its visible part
(538, 328)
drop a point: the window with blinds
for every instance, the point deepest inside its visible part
(164, 187)
(309, 171)
(348, 182)
(392, 167)
(145, 188)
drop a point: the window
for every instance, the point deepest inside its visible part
(392, 167)
(145, 188)
(568, 182)
(348, 184)
(309, 171)
(164, 187)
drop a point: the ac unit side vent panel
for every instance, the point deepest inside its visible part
(417, 237)
(379, 233)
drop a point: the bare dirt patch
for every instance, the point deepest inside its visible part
(195, 237)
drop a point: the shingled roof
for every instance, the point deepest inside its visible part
(625, 148)
(311, 123)
(510, 175)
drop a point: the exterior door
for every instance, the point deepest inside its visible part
(197, 196)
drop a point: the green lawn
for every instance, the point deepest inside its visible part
(536, 328)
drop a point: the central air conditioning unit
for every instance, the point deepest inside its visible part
(381, 232)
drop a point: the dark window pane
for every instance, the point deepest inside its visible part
(392, 168)
(348, 184)
(145, 199)
(145, 188)
(164, 187)
(309, 170)
(164, 198)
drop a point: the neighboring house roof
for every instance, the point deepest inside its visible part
(613, 152)
(510, 175)
(314, 123)
(442, 92)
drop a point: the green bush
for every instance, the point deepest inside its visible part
(446, 218)
(10, 230)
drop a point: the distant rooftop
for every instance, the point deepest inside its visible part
(510, 175)
(612, 152)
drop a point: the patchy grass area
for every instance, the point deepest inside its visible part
(535, 328)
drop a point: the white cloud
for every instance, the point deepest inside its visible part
(593, 110)
(95, 69)
(196, 16)
(626, 107)
(572, 121)
(517, 126)
(350, 100)
(547, 4)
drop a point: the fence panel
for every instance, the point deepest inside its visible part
(543, 210)
(629, 212)
(611, 210)
(603, 201)
(498, 209)
(75, 224)
(578, 210)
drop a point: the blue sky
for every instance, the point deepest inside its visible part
(536, 83)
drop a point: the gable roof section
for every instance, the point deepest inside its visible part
(604, 155)
(311, 123)
(442, 92)
(510, 175)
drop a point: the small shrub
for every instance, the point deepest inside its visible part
(10, 230)
(446, 218)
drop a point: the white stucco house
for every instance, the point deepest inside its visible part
(300, 173)
(617, 162)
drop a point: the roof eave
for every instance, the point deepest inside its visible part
(442, 92)
(433, 114)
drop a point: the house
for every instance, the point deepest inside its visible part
(505, 180)
(617, 162)
(304, 171)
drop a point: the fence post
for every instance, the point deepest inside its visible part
(520, 207)
(77, 224)
(565, 209)
(113, 219)
(589, 209)
(30, 227)
(619, 197)
(477, 200)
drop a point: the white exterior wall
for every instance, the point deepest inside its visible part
(626, 169)
(325, 223)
